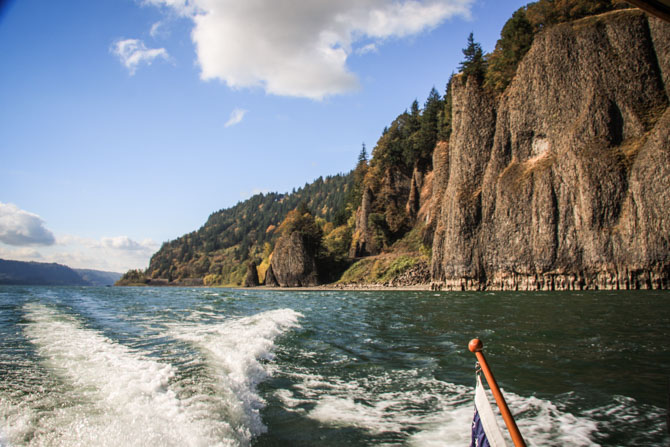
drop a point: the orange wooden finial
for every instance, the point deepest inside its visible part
(475, 345)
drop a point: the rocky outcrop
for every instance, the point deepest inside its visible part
(270, 279)
(414, 201)
(564, 181)
(251, 280)
(394, 194)
(439, 178)
(294, 261)
(456, 251)
(363, 241)
(384, 213)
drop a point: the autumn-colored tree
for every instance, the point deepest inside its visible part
(516, 38)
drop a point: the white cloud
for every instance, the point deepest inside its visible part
(21, 228)
(369, 48)
(20, 254)
(236, 117)
(127, 244)
(153, 32)
(298, 48)
(133, 52)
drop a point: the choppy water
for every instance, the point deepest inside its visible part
(201, 367)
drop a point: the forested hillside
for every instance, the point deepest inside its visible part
(219, 251)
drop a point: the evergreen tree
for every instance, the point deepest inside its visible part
(429, 127)
(363, 155)
(414, 121)
(474, 63)
(444, 131)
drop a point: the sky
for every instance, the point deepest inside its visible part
(126, 123)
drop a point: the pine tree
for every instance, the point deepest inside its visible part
(363, 155)
(427, 134)
(474, 63)
(414, 121)
(445, 116)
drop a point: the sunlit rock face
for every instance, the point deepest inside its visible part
(563, 182)
(293, 263)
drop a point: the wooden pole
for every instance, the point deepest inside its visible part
(476, 346)
(659, 8)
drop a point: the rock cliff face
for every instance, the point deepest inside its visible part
(251, 280)
(564, 181)
(270, 279)
(363, 241)
(293, 263)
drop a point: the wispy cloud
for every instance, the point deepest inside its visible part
(132, 53)
(236, 117)
(22, 228)
(298, 48)
(155, 28)
(369, 48)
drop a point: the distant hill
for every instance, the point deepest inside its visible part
(98, 277)
(44, 274)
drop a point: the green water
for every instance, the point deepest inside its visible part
(151, 366)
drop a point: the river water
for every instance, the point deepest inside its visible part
(199, 367)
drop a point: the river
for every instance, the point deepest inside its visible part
(86, 366)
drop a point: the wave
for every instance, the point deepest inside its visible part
(111, 394)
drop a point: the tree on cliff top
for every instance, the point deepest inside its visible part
(474, 63)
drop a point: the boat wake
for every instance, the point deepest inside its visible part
(110, 394)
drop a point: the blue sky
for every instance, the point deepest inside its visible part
(125, 123)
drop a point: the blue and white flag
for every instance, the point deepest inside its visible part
(485, 430)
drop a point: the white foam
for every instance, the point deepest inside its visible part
(436, 413)
(235, 350)
(113, 395)
(118, 397)
(375, 405)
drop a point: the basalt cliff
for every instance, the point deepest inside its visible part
(563, 181)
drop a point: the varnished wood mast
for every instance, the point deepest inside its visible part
(476, 346)
(659, 8)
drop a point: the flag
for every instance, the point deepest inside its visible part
(485, 430)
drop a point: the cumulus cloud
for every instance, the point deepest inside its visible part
(21, 228)
(298, 48)
(127, 244)
(133, 52)
(236, 117)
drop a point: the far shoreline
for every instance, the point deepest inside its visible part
(343, 288)
(319, 288)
